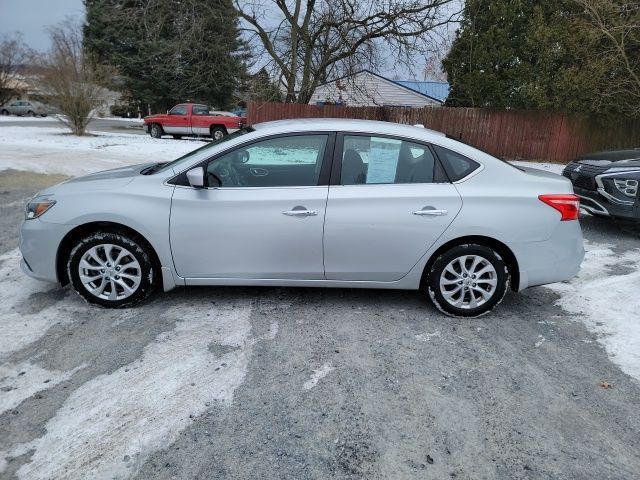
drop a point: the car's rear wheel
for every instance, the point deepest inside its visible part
(467, 280)
(156, 131)
(111, 269)
(4, 112)
(31, 113)
(218, 132)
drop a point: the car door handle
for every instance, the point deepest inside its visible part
(432, 212)
(259, 172)
(300, 213)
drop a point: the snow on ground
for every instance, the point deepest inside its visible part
(19, 327)
(19, 381)
(15, 118)
(142, 407)
(317, 375)
(605, 297)
(54, 150)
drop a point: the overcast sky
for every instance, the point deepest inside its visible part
(31, 17)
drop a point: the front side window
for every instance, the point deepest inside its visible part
(380, 160)
(276, 162)
(178, 110)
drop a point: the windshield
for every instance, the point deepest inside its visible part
(198, 151)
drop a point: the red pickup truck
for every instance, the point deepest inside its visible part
(193, 119)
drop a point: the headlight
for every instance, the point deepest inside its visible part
(628, 187)
(37, 207)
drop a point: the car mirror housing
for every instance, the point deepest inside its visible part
(195, 176)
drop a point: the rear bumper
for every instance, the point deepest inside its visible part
(553, 260)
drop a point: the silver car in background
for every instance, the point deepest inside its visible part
(25, 108)
(315, 203)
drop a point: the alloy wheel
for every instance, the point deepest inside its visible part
(110, 272)
(468, 281)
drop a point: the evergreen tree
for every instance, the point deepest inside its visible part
(523, 54)
(169, 51)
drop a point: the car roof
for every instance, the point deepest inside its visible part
(346, 125)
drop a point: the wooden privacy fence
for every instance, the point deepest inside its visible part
(511, 134)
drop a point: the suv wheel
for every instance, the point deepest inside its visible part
(156, 131)
(111, 269)
(218, 132)
(468, 280)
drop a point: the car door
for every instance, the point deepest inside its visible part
(200, 119)
(18, 108)
(177, 122)
(251, 222)
(389, 201)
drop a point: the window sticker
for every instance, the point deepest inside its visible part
(383, 160)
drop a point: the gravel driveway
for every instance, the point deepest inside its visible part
(221, 383)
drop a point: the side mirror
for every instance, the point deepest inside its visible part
(195, 176)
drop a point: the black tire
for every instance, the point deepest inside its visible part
(138, 251)
(218, 132)
(4, 112)
(177, 137)
(155, 131)
(31, 114)
(436, 292)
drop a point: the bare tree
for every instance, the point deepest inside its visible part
(308, 42)
(617, 24)
(12, 53)
(69, 79)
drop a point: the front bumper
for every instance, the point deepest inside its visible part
(39, 242)
(594, 202)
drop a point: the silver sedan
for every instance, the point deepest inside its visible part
(315, 203)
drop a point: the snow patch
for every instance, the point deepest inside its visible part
(143, 407)
(317, 375)
(20, 381)
(424, 337)
(605, 297)
(54, 150)
(20, 329)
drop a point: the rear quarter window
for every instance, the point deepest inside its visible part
(456, 165)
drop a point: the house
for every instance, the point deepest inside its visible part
(366, 88)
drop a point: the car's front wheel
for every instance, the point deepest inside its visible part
(111, 269)
(467, 280)
(156, 131)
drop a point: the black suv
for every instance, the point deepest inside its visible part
(607, 182)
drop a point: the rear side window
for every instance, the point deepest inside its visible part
(200, 110)
(382, 160)
(457, 166)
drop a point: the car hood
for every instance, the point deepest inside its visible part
(106, 180)
(617, 158)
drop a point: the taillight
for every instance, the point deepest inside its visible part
(567, 205)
